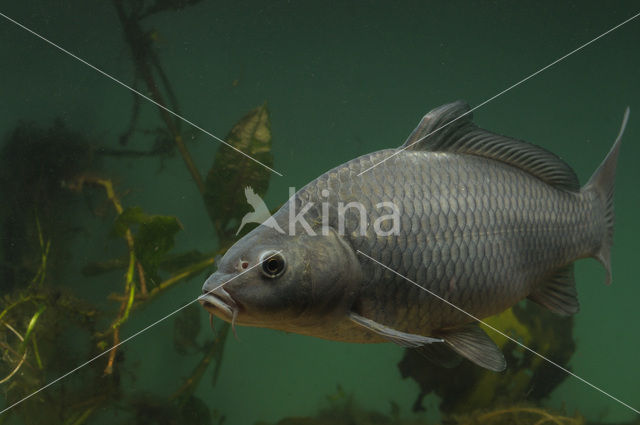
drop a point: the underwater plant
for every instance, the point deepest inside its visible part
(465, 387)
(35, 164)
(35, 311)
(49, 181)
(347, 412)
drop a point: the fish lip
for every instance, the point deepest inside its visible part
(219, 300)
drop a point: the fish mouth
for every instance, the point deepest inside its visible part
(219, 300)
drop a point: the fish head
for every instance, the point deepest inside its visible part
(271, 279)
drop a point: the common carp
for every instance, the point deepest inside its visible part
(479, 219)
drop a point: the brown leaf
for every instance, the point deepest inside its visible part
(232, 172)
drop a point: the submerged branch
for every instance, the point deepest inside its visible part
(193, 270)
(517, 411)
(140, 300)
(15, 304)
(108, 370)
(21, 362)
(143, 61)
(38, 279)
(163, 286)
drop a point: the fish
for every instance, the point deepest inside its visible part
(416, 245)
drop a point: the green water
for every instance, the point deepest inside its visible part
(341, 79)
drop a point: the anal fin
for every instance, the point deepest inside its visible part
(472, 343)
(558, 293)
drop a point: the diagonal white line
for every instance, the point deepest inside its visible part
(131, 337)
(500, 332)
(399, 150)
(136, 92)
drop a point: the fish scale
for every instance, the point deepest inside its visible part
(450, 223)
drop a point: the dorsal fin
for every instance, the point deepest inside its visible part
(449, 129)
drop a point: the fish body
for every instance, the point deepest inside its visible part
(414, 245)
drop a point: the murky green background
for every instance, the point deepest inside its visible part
(341, 79)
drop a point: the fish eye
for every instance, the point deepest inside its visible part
(273, 264)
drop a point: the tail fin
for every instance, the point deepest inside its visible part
(603, 183)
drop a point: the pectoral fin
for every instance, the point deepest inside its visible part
(472, 343)
(469, 341)
(403, 339)
(439, 354)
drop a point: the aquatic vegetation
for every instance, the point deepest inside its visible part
(46, 178)
(35, 164)
(230, 174)
(518, 415)
(466, 387)
(348, 412)
(34, 314)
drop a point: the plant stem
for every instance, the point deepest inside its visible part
(163, 286)
(24, 356)
(112, 354)
(129, 287)
(195, 269)
(15, 304)
(140, 51)
(36, 353)
(30, 328)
